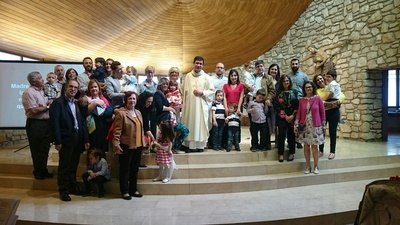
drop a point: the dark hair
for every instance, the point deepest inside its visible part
(114, 65)
(315, 79)
(229, 76)
(234, 105)
(218, 91)
(167, 130)
(128, 94)
(141, 102)
(314, 91)
(198, 58)
(281, 82)
(258, 62)
(173, 83)
(69, 70)
(295, 59)
(332, 73)
(87, 58)
(101, 60)
(261, 92)
(96, 153)
(278, 74)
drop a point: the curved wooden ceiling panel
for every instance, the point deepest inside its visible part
(161, 33)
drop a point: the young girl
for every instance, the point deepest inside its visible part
(174, 98)
(164, 157)
(97, 172)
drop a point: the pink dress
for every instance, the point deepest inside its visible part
(162, 154)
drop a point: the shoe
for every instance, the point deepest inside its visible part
(308, 170)
(280, 158)
(39, 177)
(331, 156)
(137, 195)
(228, 150)
(253, 149)
(48, 175)
(166, 180)
(75, 191)
(200, 150)
(321, 154)
(143, 166)
(316, 170)
(237, 149)
(290, 158)
(65, 197)
(157, 179)
(299, 145)
(126, 196)
(341, 121)
(219, 148)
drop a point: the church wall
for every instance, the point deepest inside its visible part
(374, 30)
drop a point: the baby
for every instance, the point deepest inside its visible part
(130, 82)
(51, 91)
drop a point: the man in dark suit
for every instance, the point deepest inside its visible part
(71, 138)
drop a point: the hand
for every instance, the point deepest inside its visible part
(87, 146)
(58, 147)
(250, 88)
(197, 92)
(215, 123)
(267, 102)
(238, 112)
(172, 110)
(119, 151)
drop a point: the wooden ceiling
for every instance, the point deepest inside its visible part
(161, 33)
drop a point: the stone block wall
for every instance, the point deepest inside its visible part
(373, 26)
(13, 138)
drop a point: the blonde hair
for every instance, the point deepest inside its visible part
(134, 71)
(174, 69)
(149, 68)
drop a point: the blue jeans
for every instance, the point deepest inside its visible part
(233, 137)
(217, 133)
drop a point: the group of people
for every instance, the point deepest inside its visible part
(103, 108)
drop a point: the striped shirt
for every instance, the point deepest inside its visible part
(219, 109)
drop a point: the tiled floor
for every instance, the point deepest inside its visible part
(198, 209)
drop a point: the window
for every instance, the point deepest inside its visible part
(393, 91)
(7, 56)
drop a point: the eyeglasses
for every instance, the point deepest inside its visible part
(219, 67)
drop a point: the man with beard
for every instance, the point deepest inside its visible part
(198, 94)
(60, 73)
(297, 76)
(219, 79)
(84, 77)
(71, 138)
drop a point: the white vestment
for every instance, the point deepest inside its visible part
(196, 110)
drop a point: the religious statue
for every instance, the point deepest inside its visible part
(322, 61)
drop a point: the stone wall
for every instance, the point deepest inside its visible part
(13, 138)
(374, 30)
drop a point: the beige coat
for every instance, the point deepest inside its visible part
(125, 128)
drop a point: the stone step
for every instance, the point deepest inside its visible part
(182, 186)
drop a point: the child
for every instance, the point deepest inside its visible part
(100, 73)
(130, 80)
(218, 116)
(258, 112)
(334, 88)
(174, 98)
(164, 157)
(51, 90)
(233, 121)
(249, 81)
(97, 173)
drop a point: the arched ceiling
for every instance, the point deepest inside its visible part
(161, 33)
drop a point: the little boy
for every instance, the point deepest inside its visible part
(233, 121)
(51, 91)
(258, 112)
(334, 88)
(100, 73)
(218, 117)
(97, 173)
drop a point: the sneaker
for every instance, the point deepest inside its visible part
(166, 180)
(316, 170)
(308, 170)
(321, 154)
(157, 179)
(331, 156)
